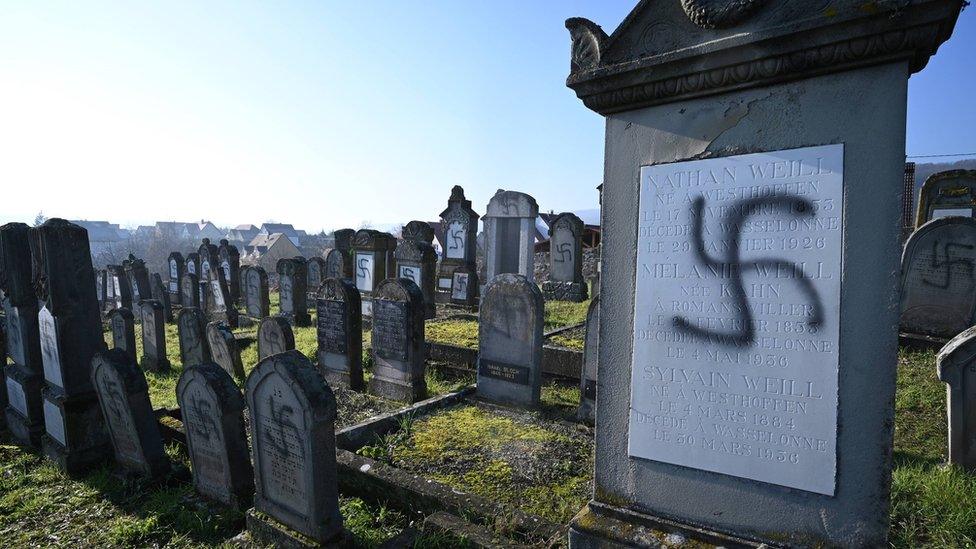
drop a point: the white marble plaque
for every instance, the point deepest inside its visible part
(444, 283)
(191, 267)
(736, 316)
(364, 272)
(53, 422)
(413, 273)
(16, 397)
(173, 270)
(455, 240)
(50, 354)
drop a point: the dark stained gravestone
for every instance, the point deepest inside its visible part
(274, 336)
(119, 287)
(213, 415)
(510, 235)
(153, 336)
(124, 398)
(209, 261)
(224, 349)
(192, 328)
(340, 335)
(464, 286)
(417, 260)
(292, 421)
(123, 331)
(565, 260)
(314, 270)
(193, 264)
(293, 296)
(138, 277)
(176, 265)
(4, 432)
(100, 287)
(230, 268)
(257, 304)
(190, 290)
(70, 330)
(372, 262)
(945, 194)
(25, 373)
(591, 357)
(160, 294)
(510, 341)
(338, 264)
(219, 302)
(343, 240)
(956, 366)
(460, 246)
(938, 278)
(398, 347)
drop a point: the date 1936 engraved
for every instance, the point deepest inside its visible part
(737, 316)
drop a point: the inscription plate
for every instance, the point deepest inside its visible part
(460, 291)
(390, 329)
(53, 422)
(505, 372)
(16, 397)
(455, 240)
(411, 272)
(332, 326)
(285, 291)
(50, 354)
(15, 334)
(737, 308)
(444, 283)
(282, 448)
(364, 272)
(173, 270)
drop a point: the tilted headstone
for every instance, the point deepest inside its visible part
(138, 277)
(510, 341)
(123, 331)
(945, 194)
(292, 422)
(340, 335)
(213, 416)
(192, 327)
(176, 265)
(224, 349)
(209, 260)
(25, 372)
(956, 366)
(398, 346)
(510, 235)
(124, 397)
(734, 237)
(372, 262)
(153, 336)
(591, 358)
(219, 302)
(417, 261)
(314, 271)
(190, 290)
(938, 278)
(257, 302)
(119, 287)
(193, 264)
(230, 268)
(160, 294)
(464, 286)
(565, 260)
(293, 302)
(274, 336)
(460, 224)
(338, 264)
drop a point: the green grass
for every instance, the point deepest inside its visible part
(462, 333)
(565, 313)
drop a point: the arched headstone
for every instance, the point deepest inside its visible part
(123, 331)
(256, 296)
(510, 234)
(293, 296)
(192, 328)
(340, 335)
(398, 347)
(565, 260)
(274, 336)
(956, 366)
(337, 264)
(190, 290)
(460, 225)
(153, 336)
(160, 294)
(224, 349)
(176, 266)
(315, 270)
(510, 341)
(230, 268)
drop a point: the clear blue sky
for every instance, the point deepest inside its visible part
(325, 114)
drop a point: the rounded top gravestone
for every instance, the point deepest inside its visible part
(944, 194)
(192, 330)
(274, 336)
(418, 231)
(512, 204)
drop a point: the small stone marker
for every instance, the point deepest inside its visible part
(510, 235)
(293, 296)
(565, 260)
(153, 337)
(213, 415)
(460, 224)
(945, 194)
(338, 264)
(194, 347)
(956, 366)
(224, 349)
(256, 296)
(123, 331)
(160, 294)
(293, 415)
(274, 336)
(398, 342)
(340, 341)
(230, 267)
(591, 359)
(464, 286)
(510, 341)
(938, 278)
(124, 397)
(315, 269)
(177, 266)
(190, 290)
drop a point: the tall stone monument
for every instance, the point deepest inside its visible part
(510, 235)
(257, 303)
(460, 225)
(138, 277)
(177, 266)
(153, 336)
(417, 260)
(119, 287)
(947, 194)
(746, 163)
(398, 342)
(565, 260)
(194, 346)
(190, 290)
(956, 366)
(293, 296)
(230, 267)
(340, 335)
(372, 263)
(209, 255)
(193, 264)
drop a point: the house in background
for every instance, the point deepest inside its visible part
(189, 231)
(266, 250)
(591, 231)
(242, 235)
(287, 229)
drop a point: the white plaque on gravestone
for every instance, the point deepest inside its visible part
(50, 354)
(53, 422)
(173, 270)
(364, 272)
(736, 316)
(455, 240)
(413, 273)
(16, 397)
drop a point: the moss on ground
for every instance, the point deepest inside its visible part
(461, 333)
(565, 313)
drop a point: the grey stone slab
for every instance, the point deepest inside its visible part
(945, 194)
(138, 277)
(417, 261)
(192, 328)
(398, 342)
(153, 336)
(257, 303)
(293, 294)
(510, 234)
(316, 269)
(339, 333)
(190, 290)
(230, 268)
(224, 349)
(956, 366)
(566, 248)
(591, 359)
(176, 267)
(160, 294)
(274, 336)
(118, 287)
(373, 260)
(123, 331)
(193, 264)
(464, 286)
(338, 264)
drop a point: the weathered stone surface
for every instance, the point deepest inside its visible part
(153, 337)
(257, 303)
(944, 194)
(193, 264)
(213, 414)
(398, 342)
(373, 262)
(293, 414)
(956, 366)
(418, 231)
(230, 268)
(176, 265)
(293, 294)
(192, 327)
(190, 290)
(209, 261)
(510, 341)
(510, 234)
(274, 336)
(591, 358)
(417, 261)
(101, 285)
(938, 278)
(138, 277)
(460, 245)
(338, 264)
(217, 300)
(123, 331)
(124, 398)
(119, 289)
(315, 270)
(340, 341)
(224, 349)
(160, 294)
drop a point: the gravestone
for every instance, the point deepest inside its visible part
(160, 294)
(177, 266)
(124, 397)
(70, 328)
(460, 225)
(24, 374)
(119, 287)
(510, 341)
(417, 261)
(4, 432)
(956, 366)
(372, 262)
(219, 302)
(213, 415)
(153, 336)
(945, 194)
(138, 277)
(338, 264)
(101, 283)
(591, 357)
(274, 336)
(938, 278)
(257, 303)
(123, 331)
(190, 290)
(292, 423)
(464, 286)
(230, 268)
(398, 347)
(565, 260)
(193, 264)
(224, 349)
(510, 235)
(209, 261)
(340, 334)
(343, 240)
(315, 268)
(745, 174)
(192, 327)
(293, 296)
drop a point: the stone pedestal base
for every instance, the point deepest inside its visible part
(76, 439)
(600, 526)
(343, 379)
(267, 532)
(564, 291)
(398, 391)
(23, 431)
(25, 410)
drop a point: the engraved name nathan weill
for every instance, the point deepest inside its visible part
(737, 316)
